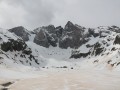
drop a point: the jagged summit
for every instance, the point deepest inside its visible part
(94, 45)
(69, 24)
(64, 38)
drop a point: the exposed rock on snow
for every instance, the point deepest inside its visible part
(13, 45)
(52, 47)
(21, 32)
(74, 53)
(72, 36)
(117, 39)
(46, 37)
(14, 50)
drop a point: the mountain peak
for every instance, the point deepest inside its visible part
(69, 23)
(21, 32)
(20, 27)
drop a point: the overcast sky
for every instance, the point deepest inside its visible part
(35, 13)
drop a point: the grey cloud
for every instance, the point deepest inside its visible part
(90, 13)
(28, 13)
(35, 13)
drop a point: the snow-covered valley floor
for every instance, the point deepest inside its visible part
(61, 80)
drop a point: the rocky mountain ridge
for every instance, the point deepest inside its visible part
(84, 44)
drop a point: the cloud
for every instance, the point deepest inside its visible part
(35, 13)
(9, 14)
(27, 13)
(90, 13)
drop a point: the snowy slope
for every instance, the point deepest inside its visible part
(95, 65)
(10, 57)
(107, 59)
(99, 52)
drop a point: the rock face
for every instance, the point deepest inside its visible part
(21, 32)
(79, 55)
(114, 29)
(59, 31)
(92, 33)
(47, 36)
(17, 51)
(96, 50)
(71, 36)
(15, 45)
(117, 39)
(41, 39)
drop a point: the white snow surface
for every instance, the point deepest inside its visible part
(57, 71)
(53, 57)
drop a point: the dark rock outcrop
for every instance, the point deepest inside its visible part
(114, 29)
(117, 39)
(16, 45)
(12, 44)
(72, 36)
(97, 49)
(21, 32)
(59, 31)
(36, 31)
(91, 32)
(41, 39)
(79, 55)
(46, 37)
